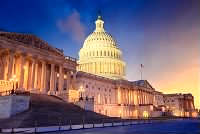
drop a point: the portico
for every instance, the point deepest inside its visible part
(38, 67)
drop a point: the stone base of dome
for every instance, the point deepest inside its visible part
(111, 76)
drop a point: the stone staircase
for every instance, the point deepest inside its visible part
(49, 111)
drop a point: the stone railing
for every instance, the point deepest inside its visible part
(70, 58)
(5, 85)
(17, 92)
(83, 99)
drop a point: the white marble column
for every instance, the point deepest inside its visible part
(10, 65)
(21, 82)
(52, 79)
(74, 79)
(2, 77)
(68, 80)
(32, 75)
(36, 76)
(6, 59)
(43, 78)
(60, 81)
(26, 71)
(135, 98)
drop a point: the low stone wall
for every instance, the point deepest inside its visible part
(157, 114)
(13, 104)
(5, 85)
(74, 127)
(87, 105)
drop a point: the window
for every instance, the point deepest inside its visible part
(86, 86)
(109, 90)
(105, 100)
(99, 88)
(105, 89)
(99, 99)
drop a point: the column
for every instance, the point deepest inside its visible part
(141, 97)
(68, 80)
(23, 59)
(135, 98)
(26, 71)
(10, 65)
(36, 76)
(2, 77)
(43, 78)
(74, 80)
(32, 74)
(5, 77)
(52, 79)
(60, 86)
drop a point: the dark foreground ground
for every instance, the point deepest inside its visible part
(175, 126)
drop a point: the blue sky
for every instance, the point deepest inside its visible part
(163, 35)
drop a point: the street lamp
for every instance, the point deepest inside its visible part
(81, 90)
(13, 80)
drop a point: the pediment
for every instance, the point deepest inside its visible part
(143, 83)
(31, 40)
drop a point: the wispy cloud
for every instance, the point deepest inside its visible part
(73, 26)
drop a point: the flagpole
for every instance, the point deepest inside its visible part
(141, 70)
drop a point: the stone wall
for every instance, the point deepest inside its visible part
(12, 105)
(87, 105)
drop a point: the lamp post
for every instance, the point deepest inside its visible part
(81, 90)
(13, 80)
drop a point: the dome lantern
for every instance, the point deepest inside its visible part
(99, 24)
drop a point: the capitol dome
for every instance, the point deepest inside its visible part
(100, 54)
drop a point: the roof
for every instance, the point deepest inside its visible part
(30, 39)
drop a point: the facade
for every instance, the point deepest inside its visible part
(180, 104)
(33, 65)
(95, 82)
(117, 98)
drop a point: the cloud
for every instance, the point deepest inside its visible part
(73, 26)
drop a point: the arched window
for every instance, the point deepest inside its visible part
(97, 53)
(104, 53)
(93, 53)
(101, 53)
(111, 54)
(108, 53)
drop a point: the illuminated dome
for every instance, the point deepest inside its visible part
(100, 54)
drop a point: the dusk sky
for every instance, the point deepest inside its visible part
(163, 35)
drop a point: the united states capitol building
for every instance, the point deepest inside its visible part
(96, 82)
